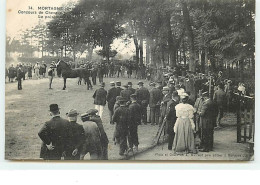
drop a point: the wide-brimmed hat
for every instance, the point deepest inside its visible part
(140, 83)
(152, 84)
(72, 113)
(184, 95)
(54, 108)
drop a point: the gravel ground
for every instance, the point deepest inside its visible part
(27, 110)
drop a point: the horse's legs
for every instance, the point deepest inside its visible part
(64, 87)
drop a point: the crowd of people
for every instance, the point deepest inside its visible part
(189, 108)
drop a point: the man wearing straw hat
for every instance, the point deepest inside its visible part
(54, 136)
(77, 136)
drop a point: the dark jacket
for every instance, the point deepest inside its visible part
(111, 98)
(135, 114)
(118, 91)
(155, 98)
(56, 132)
(143, 96)
(208, 115)
(100, 97)
(98, 121)
(132, 90)
(219, 97)
(121, 117)
(171, 115)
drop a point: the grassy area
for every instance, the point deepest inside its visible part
(27, 110)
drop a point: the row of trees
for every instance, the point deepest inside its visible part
(203, 32)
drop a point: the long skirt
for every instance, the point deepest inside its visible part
(184, 136)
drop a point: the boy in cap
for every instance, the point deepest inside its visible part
(143, 97)
(100, 99)
(77, 137)
(103, 136)
(51, 74)
(135, 120)
(54, 136)
(121, 117)
(111, 100)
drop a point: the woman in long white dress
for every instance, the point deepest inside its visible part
(184, 127)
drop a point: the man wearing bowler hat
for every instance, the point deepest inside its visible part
(100, 99)
(54, 136)
(77, 137)
(143, 96)
(111, 100)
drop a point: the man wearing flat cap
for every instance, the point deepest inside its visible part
(54, 136)
(103, 136)
(143, 97)
(92, 143)
(100, 99)
(121, 117)
(154, 103)
(111, 100)
(77, 137)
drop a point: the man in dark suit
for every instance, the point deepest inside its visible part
(19, 76)
(111, 100)
(135, 120)
(154, 103)
(165, 99)
(100, 99)
(220, 99)
(171, 118)
(207, 122)
(143, 97)
(118, 88)
(130, 87)
(54, 136)
(77, 137)
(121, 117)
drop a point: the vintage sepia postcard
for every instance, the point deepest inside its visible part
(139, 80)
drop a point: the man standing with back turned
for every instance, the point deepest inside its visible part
(54, 136)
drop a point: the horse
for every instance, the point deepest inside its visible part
(64, 70)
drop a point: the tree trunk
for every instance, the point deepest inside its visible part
(172, 52)
(203, 61)
(141, 51)
(148, 52)
(136, 50)
(187, 22)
